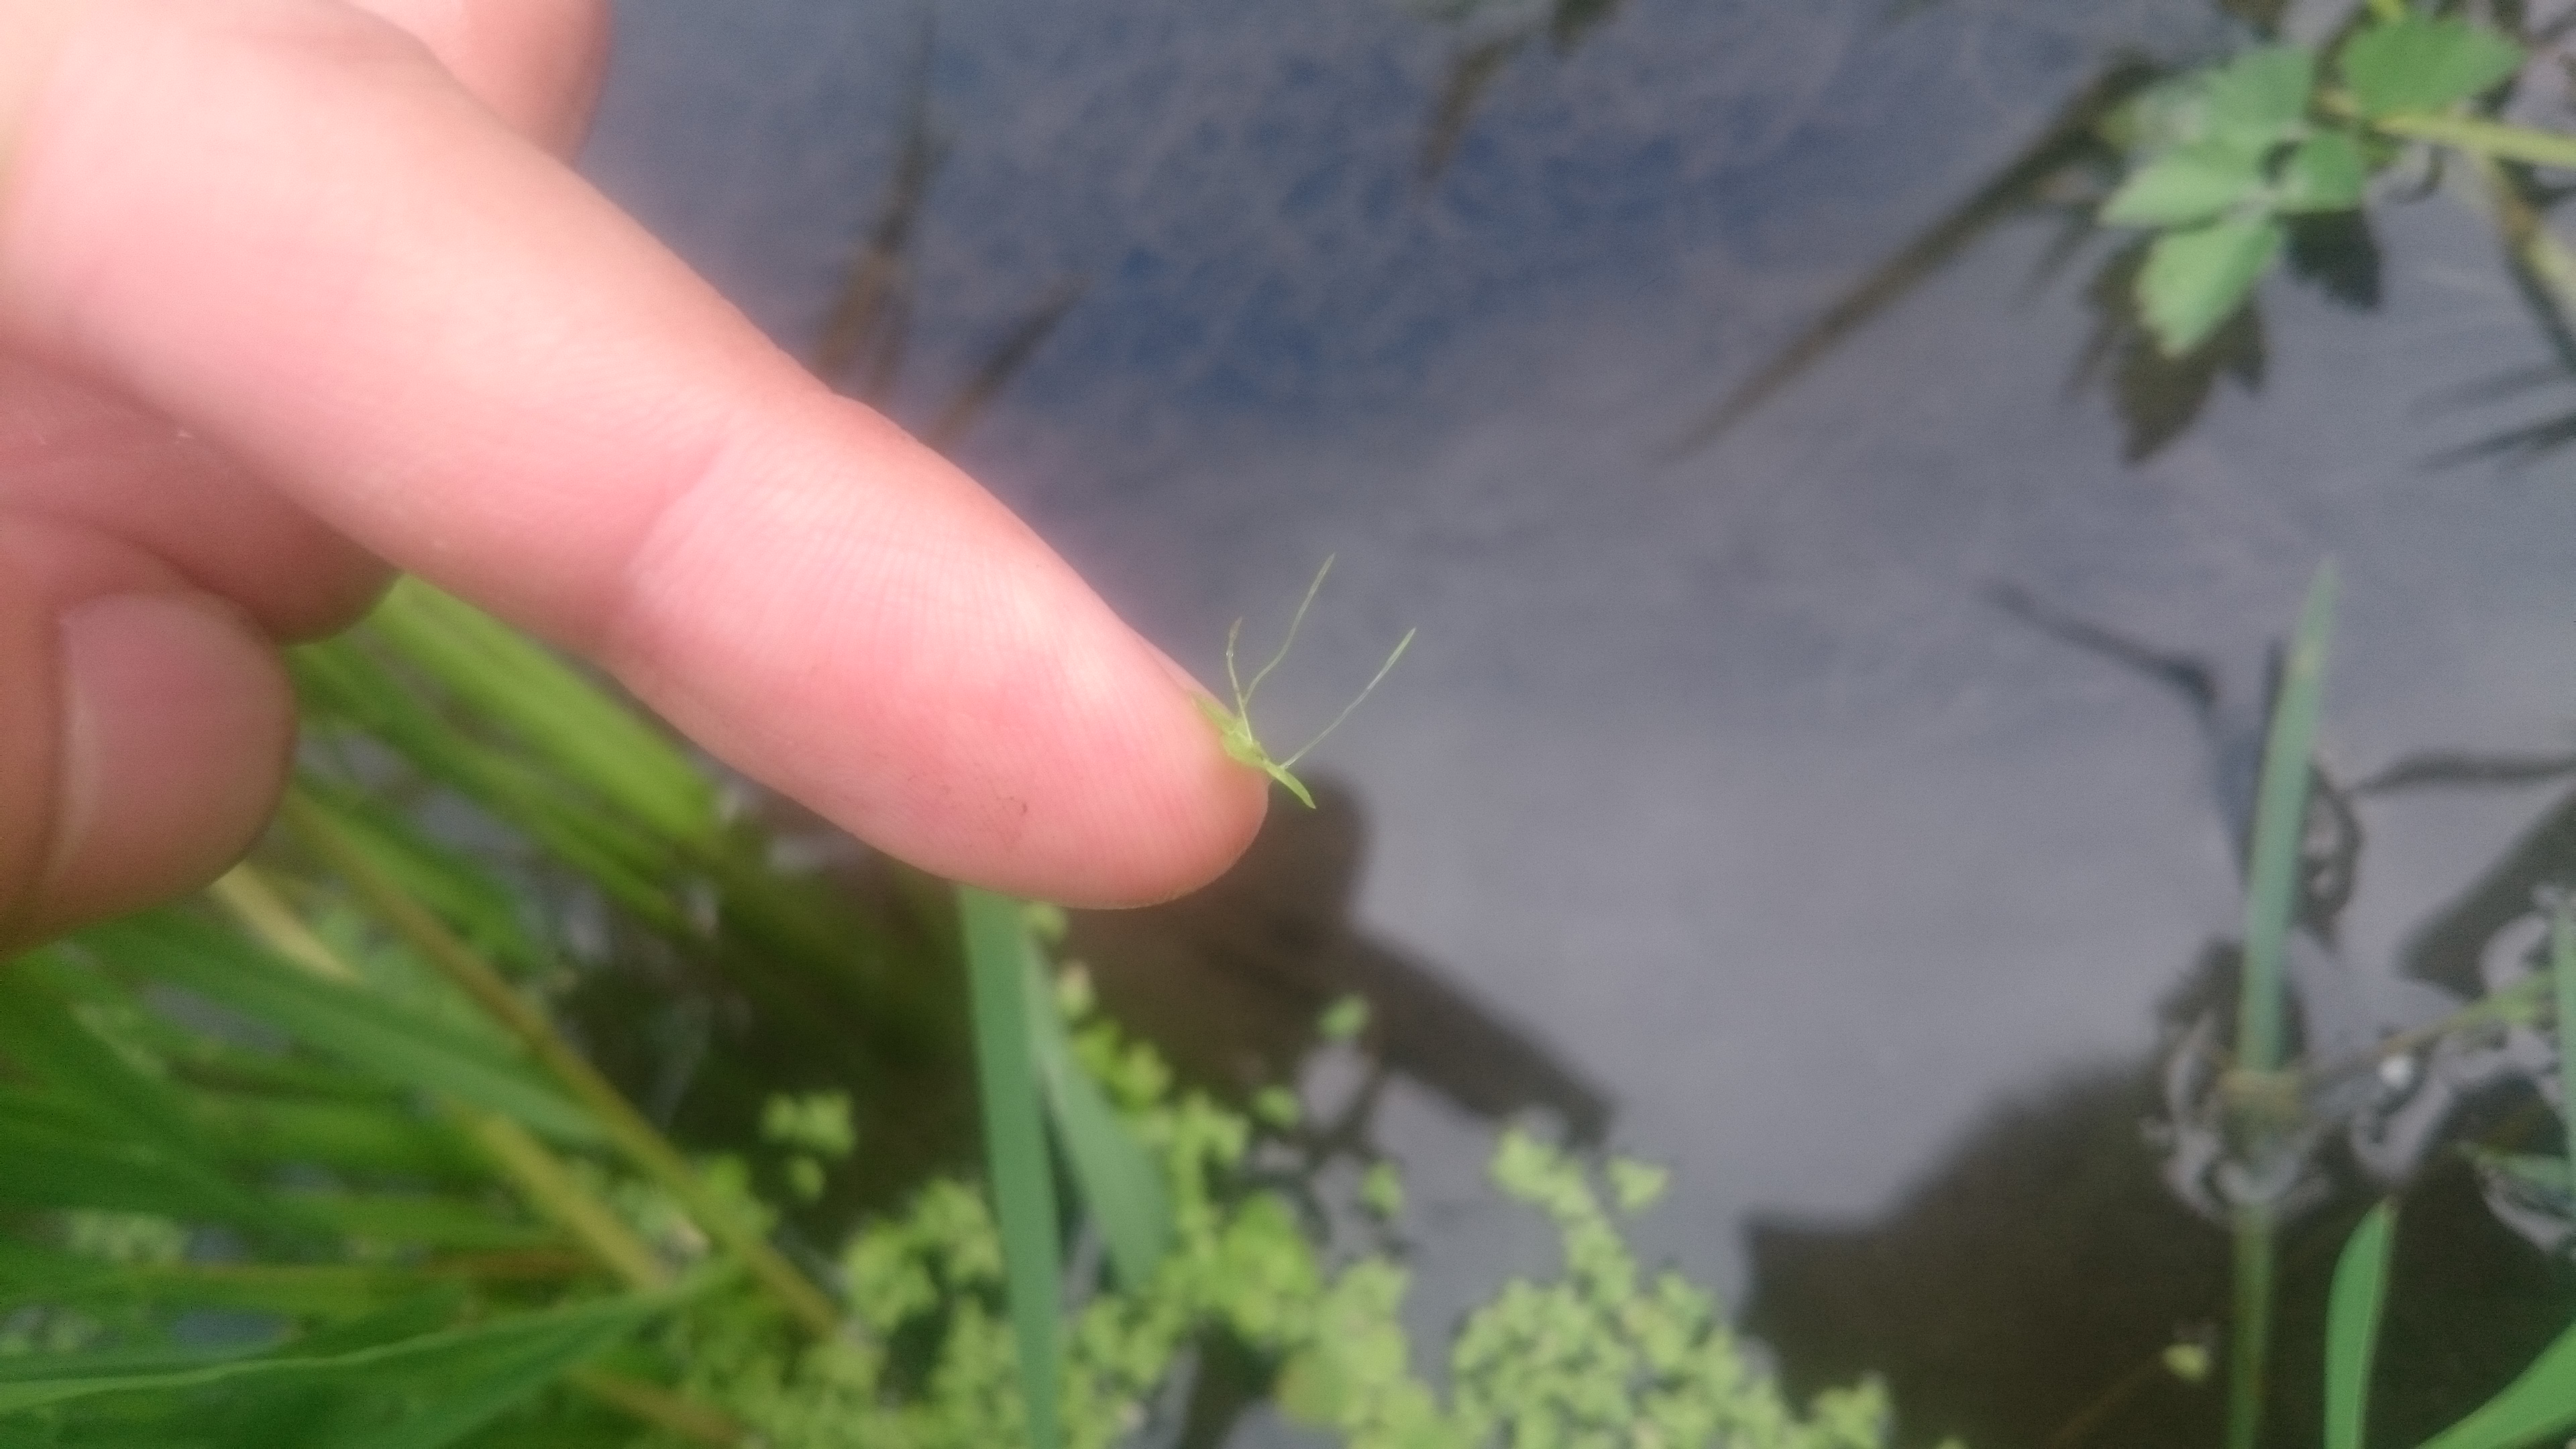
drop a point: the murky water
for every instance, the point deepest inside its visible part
(1717, 781)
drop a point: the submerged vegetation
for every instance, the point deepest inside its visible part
(323, 1158)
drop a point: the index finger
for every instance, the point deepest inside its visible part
(335, 264)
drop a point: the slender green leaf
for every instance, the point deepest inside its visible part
(2352, 1324)
(997, 968)
(2562, 972)
(2325, 172)
(2420, 63)
(450, 884)
(1121, 1186)
(391, 1139)
(431, 1053)
(2539, 1405)
(2186, 185)
(2280, 827)
(89, 1164)
(560, 716)
(458, 1224)
(2195, 280)
(415, 1393)
(45, 1039)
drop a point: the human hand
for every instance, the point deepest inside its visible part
(294, 290)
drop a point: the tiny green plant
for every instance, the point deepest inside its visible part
(1234, 726)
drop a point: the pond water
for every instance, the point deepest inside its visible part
(1717, 779)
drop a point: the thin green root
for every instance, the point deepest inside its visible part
(1234, 726)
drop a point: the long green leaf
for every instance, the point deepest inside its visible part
(2539, 1405)
(417, 1393)
(2562, 972)
(2280, 825)
(2352, 1324)
(388, 1139)
(86, 1164)
(366, 1030)
(563, 718)
(2271, 908)
(1122, 1188)
(1015, 1152)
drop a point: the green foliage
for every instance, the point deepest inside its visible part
(1605, 1349)
(1605, 1353)
(2353, 1310)
(2421, 63)
(1015, 1153)
(340, 1108)
(2218, 158)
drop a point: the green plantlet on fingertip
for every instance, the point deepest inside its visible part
(1234, 726)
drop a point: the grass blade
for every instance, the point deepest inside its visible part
(2562, 973)
(1121, 1186)
(420, 1392)
(2280, 822)
(2539, 1405)
(997, 969)
(564, 719)
(2271, 909)
(357, 1026)
(2352, 1324)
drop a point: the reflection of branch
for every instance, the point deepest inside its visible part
(2448, 767)
(2181, 673)
(870, 306)
(2069, 140)
(1474, 70)
(1004, 363)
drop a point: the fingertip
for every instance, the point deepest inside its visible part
(177, 722)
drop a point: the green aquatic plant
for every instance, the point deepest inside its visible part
(344, 1100)
(1234, 726)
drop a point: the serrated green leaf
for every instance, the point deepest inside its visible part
(411, 1047)
(2423, 64)
(2259, 97)
(2195, 280)
(2325, 172)
(2186, 185)
(2352, 1324)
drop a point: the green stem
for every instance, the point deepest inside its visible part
(552, 1189)
(2487, 138)
(682, 1418)
(2249, 1339)
(2562, 975)
(534, 1169)
(635, 1137)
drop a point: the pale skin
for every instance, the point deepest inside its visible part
(296, 292)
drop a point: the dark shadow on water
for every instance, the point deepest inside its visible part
(2023, 1294)
(1229, 981)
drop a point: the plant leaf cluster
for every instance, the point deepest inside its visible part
(2539, 1404)
(2223, 158)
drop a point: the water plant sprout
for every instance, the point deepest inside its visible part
(1234, 726)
